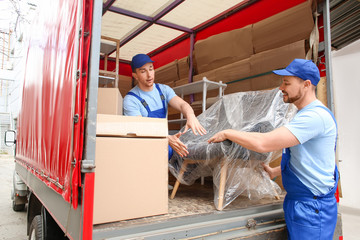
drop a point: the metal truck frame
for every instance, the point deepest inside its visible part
(63, 209)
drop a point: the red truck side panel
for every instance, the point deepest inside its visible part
(45, 124)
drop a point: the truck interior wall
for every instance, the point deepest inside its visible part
(346, 85)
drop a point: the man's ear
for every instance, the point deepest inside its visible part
(307, 83)
(134, 76)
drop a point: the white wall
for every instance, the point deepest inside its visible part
(12, 78)
(346, 83)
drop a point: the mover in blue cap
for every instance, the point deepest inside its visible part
(308, 168)
(149, 101)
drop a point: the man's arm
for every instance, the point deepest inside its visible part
(259, 142)
(273, 172)
(131, 107)
(192, 122)
(177, 145)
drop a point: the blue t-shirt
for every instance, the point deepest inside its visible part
(133, 107)
(313, 160)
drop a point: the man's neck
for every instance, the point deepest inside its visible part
(305, 101)
(146, 88)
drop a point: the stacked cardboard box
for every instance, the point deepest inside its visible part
(247, 54)
(222, 49)
(183, 68)
(167, 74)
(174, 73)
(125, 84)
(110, 101)
(283, 28)
(131, 175)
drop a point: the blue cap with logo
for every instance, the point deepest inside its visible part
(140, 60)
(304, 69)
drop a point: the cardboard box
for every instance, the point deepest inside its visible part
(131, 174)
(167, 73)
(125, 84)
(240, 86)
(276, 58)
(234, 71)
(257, 64)
(109, 101)
(170, 84)
(131, 126)
(284, 28)
(265, 62)
(182, 81)
(268, 81)
(131, 178)
(224, 48)
(183, 67)
(210, 75)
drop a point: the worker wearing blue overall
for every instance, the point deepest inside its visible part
(308, 168)
(149, 99)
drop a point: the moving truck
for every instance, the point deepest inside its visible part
(91, 173)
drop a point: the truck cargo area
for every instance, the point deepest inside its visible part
(192, 213)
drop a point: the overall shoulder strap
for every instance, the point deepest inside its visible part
(143, 102)
(161, 94)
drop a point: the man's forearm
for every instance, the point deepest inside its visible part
(250, 140)
(187, 111)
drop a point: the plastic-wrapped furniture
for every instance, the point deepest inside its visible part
(235, 169)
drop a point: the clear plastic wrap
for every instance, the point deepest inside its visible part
(235, 169)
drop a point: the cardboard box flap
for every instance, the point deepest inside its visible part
(128, 126)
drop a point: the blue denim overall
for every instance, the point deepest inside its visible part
(160, 113)
(307, 216)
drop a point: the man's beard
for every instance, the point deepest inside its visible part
(288, 99)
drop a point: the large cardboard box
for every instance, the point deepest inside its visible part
(254, 73)
(276, 58)
(131, 174)
(167, 74)
(183, 67)
(284, 28)
(182, 81)
(110, 101)
(263, 63)
(125, 84)
(224, 48)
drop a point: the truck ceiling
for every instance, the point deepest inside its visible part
(152, 27)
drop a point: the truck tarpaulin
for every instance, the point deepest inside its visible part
(45, 143)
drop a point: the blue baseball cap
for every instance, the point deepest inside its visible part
(140, 60)
(304, 69)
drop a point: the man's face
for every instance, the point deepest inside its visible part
(292, 89)
(145, 75)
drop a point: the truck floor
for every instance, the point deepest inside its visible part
(191, 200)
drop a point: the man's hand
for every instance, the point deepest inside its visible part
(177, 145)
(194, 124)
(273, 172)
(218, 137)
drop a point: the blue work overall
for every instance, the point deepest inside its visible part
(307, 216)
(160, 113)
